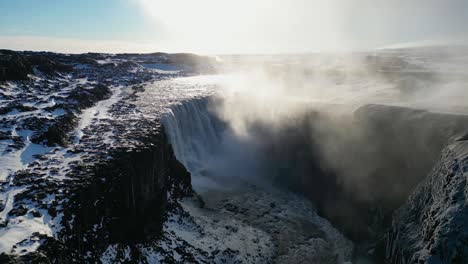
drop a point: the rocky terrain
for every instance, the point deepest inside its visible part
(82, 167)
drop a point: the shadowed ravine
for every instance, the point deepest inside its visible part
(282, 179)
(227, 174)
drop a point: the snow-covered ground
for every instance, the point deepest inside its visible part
(28, 163)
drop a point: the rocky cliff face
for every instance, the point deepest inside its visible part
(121, 200)
(358, 170)
(83, 167)
(432, 227)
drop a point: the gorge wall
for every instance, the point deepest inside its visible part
(431, 226)
(357, 169)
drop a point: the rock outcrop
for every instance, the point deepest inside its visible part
(432, 227)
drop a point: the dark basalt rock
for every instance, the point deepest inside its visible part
(48, 66)
(123, 200)
(58, 133)
(13, 66)
(4, 135)
(18, 211)
(18, 107)
(36, 257)
(88, 97)
(35, 213)
(3, 223)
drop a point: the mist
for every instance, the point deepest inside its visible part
(354, 132)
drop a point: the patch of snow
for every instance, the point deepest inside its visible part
(166, 68)
(99, 111)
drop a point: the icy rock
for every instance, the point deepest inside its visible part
(432, 226)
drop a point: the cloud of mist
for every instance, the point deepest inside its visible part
(344, 129)
(278, 87)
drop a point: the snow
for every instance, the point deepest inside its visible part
(15, 160)
(31, 149)
(165, 68)
(8, 198)
(99, 111)
(10, 161)
(106, 61)
(110, 255)
(255, 231)
(21, 228)
(58, 112)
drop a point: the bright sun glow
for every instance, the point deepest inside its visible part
(214, 26)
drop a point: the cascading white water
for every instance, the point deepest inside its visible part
(195, 135)
(209, 149)
(191, 131)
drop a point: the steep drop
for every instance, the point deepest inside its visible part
(229, 174)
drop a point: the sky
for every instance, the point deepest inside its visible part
(227, 26)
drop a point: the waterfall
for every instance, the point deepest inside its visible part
(220, 160)
(195, 134)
